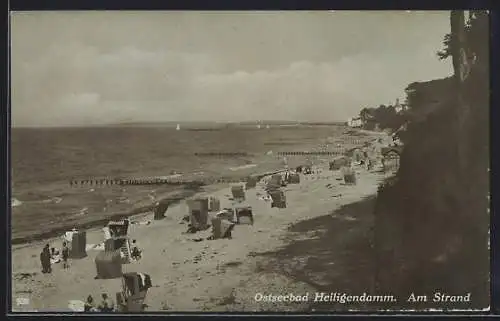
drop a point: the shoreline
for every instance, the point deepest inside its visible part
(237, 268)
(180, 195)
(192, 274)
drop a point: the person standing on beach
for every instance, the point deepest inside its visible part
(65, 255)
(45, 259)
(369, 164)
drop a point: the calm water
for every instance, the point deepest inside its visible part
(44, 160)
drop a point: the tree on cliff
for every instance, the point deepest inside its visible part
(437, 196)
(384, 116)
(476, 29)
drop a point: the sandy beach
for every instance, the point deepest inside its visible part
(216, 275)
(363, 139)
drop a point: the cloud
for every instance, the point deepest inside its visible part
(81, 100)
(78, 84)
(309, 91)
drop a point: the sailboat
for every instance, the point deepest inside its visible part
(258, 126)
(178, 127)
(267, 127)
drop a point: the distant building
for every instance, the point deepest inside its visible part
(400, 107)
(355, 122)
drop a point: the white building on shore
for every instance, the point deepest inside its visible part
(400, 107)
(355, 122)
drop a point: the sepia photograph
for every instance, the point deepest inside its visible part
(249, 161)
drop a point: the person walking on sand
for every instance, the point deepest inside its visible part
(65, 255)
(45, 259)
(369, 164)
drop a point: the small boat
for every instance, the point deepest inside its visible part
(267, 127)
(178, 127)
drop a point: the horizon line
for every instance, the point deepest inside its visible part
(178, 122)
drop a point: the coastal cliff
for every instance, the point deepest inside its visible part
(432, 218)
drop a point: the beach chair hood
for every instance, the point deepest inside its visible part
(77, 243)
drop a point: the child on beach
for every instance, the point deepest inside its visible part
(136, 253)
(65, 255)
(89, 305)
(106, 305)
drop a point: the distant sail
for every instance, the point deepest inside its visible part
(267, 126)
(258, 126)
(15, 202)
(178, 127)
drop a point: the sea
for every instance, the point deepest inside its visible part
(45, 160)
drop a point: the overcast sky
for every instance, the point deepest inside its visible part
(83, 68)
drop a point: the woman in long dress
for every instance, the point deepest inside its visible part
(45, 259)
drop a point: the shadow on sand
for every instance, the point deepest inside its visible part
(337, 256)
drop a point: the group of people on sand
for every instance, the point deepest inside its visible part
(106, 304)
(48, 254)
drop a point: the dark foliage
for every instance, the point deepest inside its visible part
(431, 225)
(385, 117)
